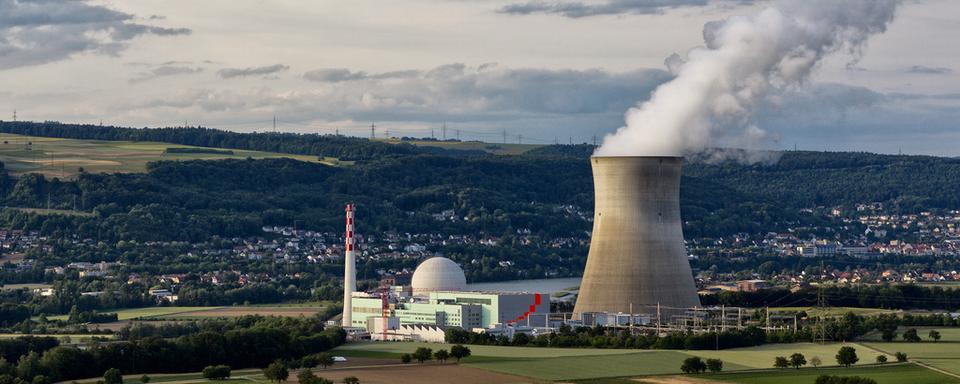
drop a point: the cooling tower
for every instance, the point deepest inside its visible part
(637, 257)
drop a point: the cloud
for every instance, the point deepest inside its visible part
(167, 69)
(227, 73)
(453, 89)
(336, 75)
(922, 69)
(39, 32)
(578, 9)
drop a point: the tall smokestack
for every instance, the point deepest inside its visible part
(637, 258)
(349, 271)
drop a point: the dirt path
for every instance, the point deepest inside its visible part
(935, 369)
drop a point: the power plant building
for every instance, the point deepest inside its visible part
(637, 261)
(427, 303)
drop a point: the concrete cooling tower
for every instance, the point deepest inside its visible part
(637, 257)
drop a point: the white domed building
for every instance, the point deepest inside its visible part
(437, 297)
(438, 274)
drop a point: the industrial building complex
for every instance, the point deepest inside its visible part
(435, 299)
(637, 272)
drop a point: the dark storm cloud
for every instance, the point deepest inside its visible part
(578, 9)
(922, 69)
(43, 31)
(227, 73)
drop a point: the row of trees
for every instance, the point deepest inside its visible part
(846, 357)
(423, 354)
(891, 296)
(844, 328)
(600, 337)
(697, 365)
(249, 341)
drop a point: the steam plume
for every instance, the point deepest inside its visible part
(717, 88)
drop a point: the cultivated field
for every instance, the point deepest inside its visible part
(587, 363)
(480, 350)
(30, 286)
(763, 356)
(889, 374)
(195, 313)
(242, 311)
(64, 157)
(943, 354)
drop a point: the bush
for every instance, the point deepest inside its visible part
(423, 354)
(714, 365)
(406, 358)
(459, 351)
(144, 379)
(881, 359)
(911, 335)
(847, 356)
(216, 372)
(693, 365)
(112, 376)
(307, 377)
(824, 379)
(797, 360)
(781, 362)
(276, 371)
(351, 380)
(441, 355)
(901, 357)
(815, 361)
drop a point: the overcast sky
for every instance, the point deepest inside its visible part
(546, 70)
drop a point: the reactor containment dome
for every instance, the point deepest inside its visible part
(438, 274)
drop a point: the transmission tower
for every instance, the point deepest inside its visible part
(373, 131)
(821, 309)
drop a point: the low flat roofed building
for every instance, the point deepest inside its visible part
(497, 307)
(466, 316)
(752, 285)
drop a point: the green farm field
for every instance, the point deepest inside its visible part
(888, 374)
(892, 374)
(146, 313)
(64, 157)
(196, 313)
(587, 363)
(762, 356)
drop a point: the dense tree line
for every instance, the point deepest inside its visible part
(890, 296)
(838, 328)
(249, 341)
(341, 147)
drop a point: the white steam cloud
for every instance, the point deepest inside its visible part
(717, 89)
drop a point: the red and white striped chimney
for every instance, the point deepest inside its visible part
(349, 271)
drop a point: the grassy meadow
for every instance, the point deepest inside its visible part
(943, 354)
(554, 364)
(64, 157)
